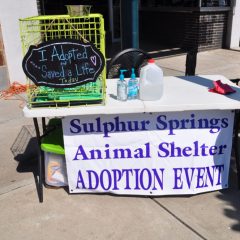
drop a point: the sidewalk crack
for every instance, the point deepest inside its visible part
(178, 219)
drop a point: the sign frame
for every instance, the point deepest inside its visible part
(63, 63)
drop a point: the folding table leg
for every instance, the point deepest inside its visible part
(236, 145)
(40, 161)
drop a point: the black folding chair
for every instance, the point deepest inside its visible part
(127, 59)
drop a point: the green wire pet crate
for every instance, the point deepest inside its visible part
(38, 29)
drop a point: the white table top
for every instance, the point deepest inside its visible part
(179, 94)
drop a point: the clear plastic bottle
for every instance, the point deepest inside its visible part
(122, 87)
(133, 86)
(151, 82)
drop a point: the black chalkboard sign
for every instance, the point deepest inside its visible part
(63, 63)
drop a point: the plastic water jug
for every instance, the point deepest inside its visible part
(151, 82)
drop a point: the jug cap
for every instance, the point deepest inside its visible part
(151, 60)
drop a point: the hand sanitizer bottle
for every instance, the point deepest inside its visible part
(133, 86)
(122, 87)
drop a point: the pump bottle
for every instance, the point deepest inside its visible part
(122, 87)
(133, 86)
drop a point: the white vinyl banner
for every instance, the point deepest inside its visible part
(149, 153)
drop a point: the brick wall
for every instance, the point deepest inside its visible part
(188, 30)
(163, 28)
(205, 31)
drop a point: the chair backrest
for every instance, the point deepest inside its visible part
(127, 59)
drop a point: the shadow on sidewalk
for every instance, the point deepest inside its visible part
(231, 196)
(27, 161)
(26, 152)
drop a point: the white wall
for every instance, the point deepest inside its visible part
(233, 36)
(10, 12)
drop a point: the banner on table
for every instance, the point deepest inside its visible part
(149, 153)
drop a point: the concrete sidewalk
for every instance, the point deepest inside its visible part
(214, 215)
(220, 62)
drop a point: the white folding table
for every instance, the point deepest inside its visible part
(183, 93)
